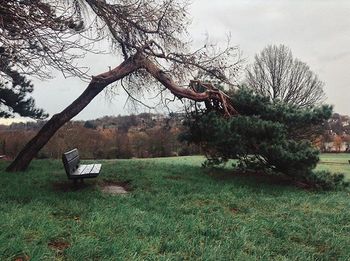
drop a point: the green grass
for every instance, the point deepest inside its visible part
(176, 211)
(335, 162)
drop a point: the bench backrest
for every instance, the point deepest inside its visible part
(71, 161)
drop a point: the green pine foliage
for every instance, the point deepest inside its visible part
(267, 136)
(14, 90)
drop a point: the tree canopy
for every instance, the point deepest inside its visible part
(35, 36)
(275, 73)
(45, 34)
(264, 137)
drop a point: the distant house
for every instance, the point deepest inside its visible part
(158, 117)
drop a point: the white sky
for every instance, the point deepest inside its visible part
(317, 31)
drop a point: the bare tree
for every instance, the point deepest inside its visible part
(276, 74)
(151, 38)
(35, 37)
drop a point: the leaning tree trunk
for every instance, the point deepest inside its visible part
(97, 84)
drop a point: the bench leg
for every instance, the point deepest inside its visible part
(82, 181)
(75, 182)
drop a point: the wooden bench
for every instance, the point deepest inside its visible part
(74, 170)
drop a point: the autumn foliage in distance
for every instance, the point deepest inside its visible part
(143, 135)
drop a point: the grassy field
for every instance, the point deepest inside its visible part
(336, 163)
(175, 210)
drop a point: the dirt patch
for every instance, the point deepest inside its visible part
(58, 245)
(22, 258)
(116, 187)
(234, 210)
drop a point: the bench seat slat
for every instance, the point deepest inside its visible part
(79, 170)
(87, 169)
(96, 169)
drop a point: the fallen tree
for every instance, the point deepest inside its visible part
(149, 37)
(97, 84)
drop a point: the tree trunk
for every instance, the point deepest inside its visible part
(97, 84)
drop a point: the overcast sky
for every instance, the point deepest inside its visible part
(317, 31)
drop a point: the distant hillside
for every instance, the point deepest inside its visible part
(122, 123)
(142, 135)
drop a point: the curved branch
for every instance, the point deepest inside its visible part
(211, 94)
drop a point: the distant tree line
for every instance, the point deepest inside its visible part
(336, 135)
(141, 136)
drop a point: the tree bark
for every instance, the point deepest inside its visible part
(97, 84)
